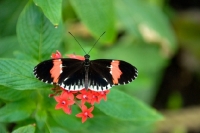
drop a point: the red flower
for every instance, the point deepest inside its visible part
(85, 95)
(94, 97)
(86, 113)
(56, 55)
(102, 95)
(65, 100)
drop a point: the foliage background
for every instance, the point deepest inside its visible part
(139, 32)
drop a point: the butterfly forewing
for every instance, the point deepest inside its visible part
(129, 72)
(42, 71)
(67, 67)
(114, 72)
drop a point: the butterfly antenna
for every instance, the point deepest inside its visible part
(97, 41)
(77, 42)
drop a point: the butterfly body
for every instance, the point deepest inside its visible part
(75, 74)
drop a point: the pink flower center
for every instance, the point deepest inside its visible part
(93, 96)
(102, 93)
(63, 102)
(84, 96)
(86, 113)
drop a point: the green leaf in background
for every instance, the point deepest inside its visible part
(41, 118)
(25, 129)
(124, 107)
(58, 130)
(38, 37)
(2, 128)
(106, 124)
(54, 127)
(9, 94)
(51, 9)
(18, 75)
(16, 111)
(68, 121)
(8, 45)
(98, 16)
(148, 20)
(10, 10)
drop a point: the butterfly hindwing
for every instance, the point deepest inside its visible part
(73, 76)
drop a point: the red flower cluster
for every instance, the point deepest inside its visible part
(68, 98)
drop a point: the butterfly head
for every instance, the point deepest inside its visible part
(87, 57)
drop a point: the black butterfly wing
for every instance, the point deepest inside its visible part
(105, 73)
(64, 68)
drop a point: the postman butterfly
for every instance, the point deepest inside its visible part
(75, 74)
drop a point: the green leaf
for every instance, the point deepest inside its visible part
(8, 45)
(125, 107)
(41, 118)
(37, 36)
(57, 130)
(98, 16)
(25, 129)
(18, 75)
(10, 12)
(54, 127)
(2, 128)
(51, 9)
(104, 124)
(147, 20)
(16, 111)
(67, 120)
(12, 94)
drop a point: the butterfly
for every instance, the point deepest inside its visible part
(76, 74)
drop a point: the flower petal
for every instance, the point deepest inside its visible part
(67, 110)
(79, 115)
(91, 109)
(90, 115)
(59, 106)
(56, 55)
(83, 108)
(57, 98)
(84, 119)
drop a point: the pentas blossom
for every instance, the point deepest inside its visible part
(94, 97)
(102, 95)
(84, 96)
(65, 99)
(86, 113)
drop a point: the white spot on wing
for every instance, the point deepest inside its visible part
(71, 87)
(65, 79)
(101, 88)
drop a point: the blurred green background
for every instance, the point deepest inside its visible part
(160, 37)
